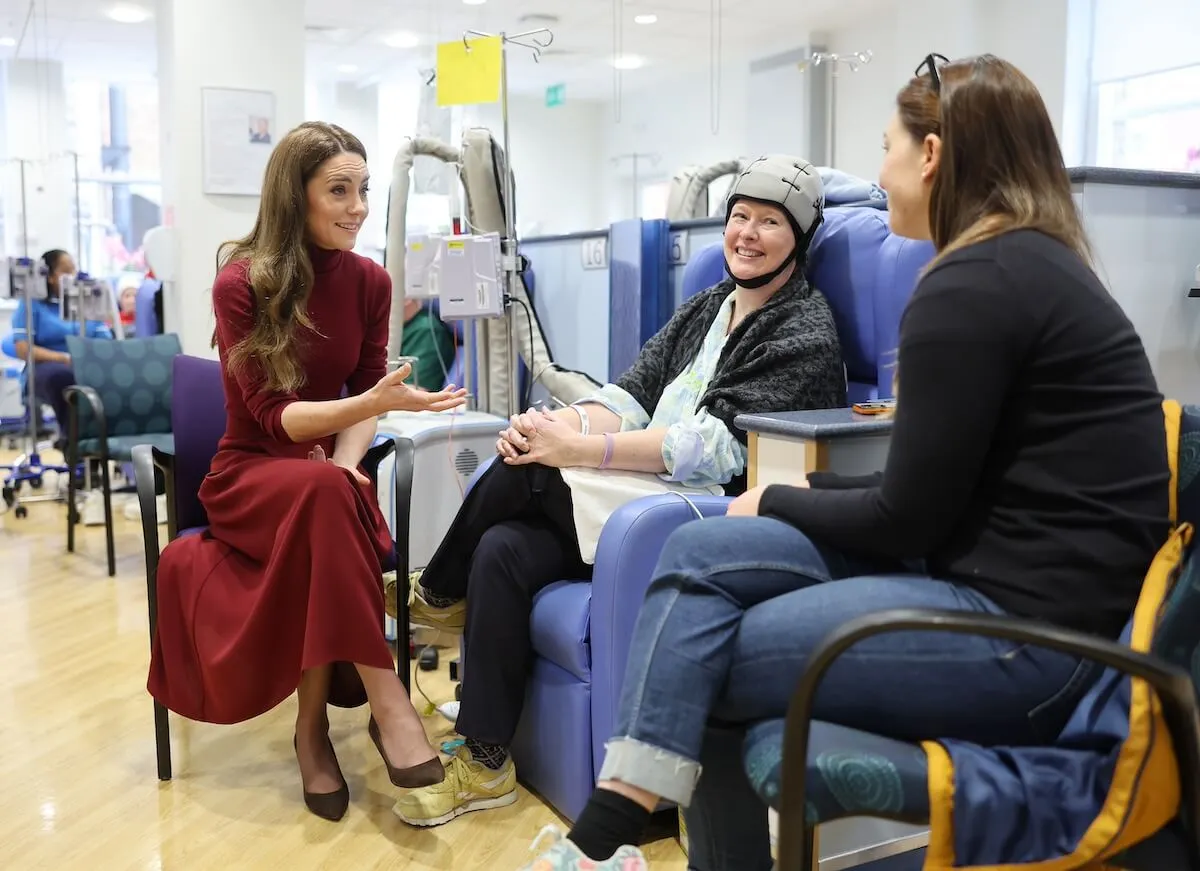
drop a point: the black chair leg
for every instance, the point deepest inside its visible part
(72, 517)
(403, 648)
(162, 741)
(108, 518)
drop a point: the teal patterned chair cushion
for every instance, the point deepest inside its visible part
(1176, 639)
(133, 380)
(1188, 489)
(120, 448)
(850, 773)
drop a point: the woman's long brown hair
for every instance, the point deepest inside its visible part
(1001, 165)
(278, 265)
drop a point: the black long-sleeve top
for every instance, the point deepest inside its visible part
(1028, 454)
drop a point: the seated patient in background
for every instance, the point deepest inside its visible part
(764, 340)
(42, 332)
(430, 341)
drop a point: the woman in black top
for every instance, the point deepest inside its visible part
(1027, 475)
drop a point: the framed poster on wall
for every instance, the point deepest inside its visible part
(238, 133)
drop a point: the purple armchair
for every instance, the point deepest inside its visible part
(198, 424)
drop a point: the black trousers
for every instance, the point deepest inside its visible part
(513, 536)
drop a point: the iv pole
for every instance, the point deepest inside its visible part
(28, 467)
(528, 39)
(834, 61)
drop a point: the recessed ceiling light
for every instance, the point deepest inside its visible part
(7, 41)
(627, 62)
(645, 19)
(128, 14)
(474, 2)
(402, 40)
(347, 68)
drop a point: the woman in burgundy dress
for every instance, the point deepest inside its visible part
(284, 591)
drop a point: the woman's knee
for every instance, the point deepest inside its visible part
(720, 543)
(320, 481)
(499, 553)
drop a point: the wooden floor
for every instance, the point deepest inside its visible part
(78, 788)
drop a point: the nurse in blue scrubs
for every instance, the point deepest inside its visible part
(52, 372)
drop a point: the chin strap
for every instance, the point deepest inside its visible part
(762, 280)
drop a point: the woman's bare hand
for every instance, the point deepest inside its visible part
(392, 394)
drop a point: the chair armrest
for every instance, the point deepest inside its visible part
(381, 446)
(147, 461)
(75, 394)
(1173, 685)
(626, 554)
(402, 475)
(820, 424)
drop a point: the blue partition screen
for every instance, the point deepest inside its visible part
(639, 290)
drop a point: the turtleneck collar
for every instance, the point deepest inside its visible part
(324, 259)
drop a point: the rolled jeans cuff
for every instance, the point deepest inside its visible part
(653, 769)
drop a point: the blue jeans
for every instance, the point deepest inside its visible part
(734, 609)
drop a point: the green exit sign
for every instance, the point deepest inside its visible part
(556, 95)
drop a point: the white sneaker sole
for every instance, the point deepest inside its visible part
(481, 804)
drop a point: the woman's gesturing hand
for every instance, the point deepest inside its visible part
(390, 393)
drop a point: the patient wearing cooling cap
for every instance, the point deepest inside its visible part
(761, 340)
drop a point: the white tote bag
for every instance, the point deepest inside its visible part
(597, 493)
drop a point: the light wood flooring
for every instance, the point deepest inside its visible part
(78, 788)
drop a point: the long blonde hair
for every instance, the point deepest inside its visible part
(279, 268)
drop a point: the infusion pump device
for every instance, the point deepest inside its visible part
(462, 272)
(88, 299)
(23, 278)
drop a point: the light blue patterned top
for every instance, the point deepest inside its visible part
(698, 449)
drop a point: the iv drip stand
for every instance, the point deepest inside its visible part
(29, 466)
(509, 256)
(834, 61)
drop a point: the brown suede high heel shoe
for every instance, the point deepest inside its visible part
(415, 776)
(327, 805)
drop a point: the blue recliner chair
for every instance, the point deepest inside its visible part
(582, 631)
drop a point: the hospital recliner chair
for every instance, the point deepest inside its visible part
(581, 632)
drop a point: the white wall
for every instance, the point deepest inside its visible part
(1133, 37)
(672, 122)
(196, 49)
(33, 127)
(557, 155)
(1030, 33)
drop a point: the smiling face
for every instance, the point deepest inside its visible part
(758, 238)
(337, 202)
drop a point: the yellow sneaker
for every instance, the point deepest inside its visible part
(452, 620)
(469, 786)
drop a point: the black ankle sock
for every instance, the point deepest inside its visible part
(491, 756)
(608, 822)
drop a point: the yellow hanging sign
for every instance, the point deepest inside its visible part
(468, 71)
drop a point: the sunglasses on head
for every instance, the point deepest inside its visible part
(930, 65)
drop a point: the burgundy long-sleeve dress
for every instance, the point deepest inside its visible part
(287, 577)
